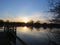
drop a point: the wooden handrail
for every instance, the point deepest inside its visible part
(24, 43)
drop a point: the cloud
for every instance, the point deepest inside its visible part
(42, 16)
(37, 15)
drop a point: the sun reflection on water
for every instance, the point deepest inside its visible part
(24, 29)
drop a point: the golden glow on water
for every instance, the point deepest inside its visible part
(33, 32)
(28, 30)
(23, 29)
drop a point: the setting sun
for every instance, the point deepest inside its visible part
(25, 19)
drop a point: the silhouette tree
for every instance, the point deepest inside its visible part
(1, 22)
(31, 23)
(55, 8)
(37, 24)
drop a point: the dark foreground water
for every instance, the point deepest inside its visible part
(38, 36)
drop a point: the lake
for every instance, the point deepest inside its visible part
(38, 36)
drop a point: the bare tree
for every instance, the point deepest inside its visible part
(55, 8)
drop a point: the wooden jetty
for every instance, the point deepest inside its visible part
(8, 36)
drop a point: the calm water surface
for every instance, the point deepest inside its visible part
(38, 36)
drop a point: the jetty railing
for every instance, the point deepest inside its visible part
(11, 34)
